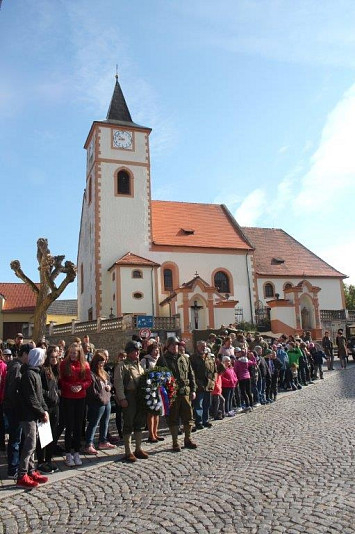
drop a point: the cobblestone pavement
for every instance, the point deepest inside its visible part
(285, 468)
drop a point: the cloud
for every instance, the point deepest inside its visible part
(252, 208)
(293, 32)
(331, 175)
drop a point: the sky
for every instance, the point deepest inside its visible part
(251, 104)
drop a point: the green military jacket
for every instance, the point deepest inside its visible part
(126, 377)
(205, 370)
(181, 369)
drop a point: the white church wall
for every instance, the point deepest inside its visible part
(205, 264)
(131, 285)
(86, 258)
(224, 316)
(330, 297)
(135, 155)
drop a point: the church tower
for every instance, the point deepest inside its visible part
(116, 209)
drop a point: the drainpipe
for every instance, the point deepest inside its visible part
(151, 281)
(249, 288)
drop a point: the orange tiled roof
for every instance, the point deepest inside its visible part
(133, 259)
(19, 298)
(187, 224)
(277, 253)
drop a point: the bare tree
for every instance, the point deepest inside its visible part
(50, 267)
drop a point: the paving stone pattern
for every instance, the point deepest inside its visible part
(285, 468)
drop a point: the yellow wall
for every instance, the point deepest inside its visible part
(28, 318)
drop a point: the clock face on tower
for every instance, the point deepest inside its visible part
(122, 139)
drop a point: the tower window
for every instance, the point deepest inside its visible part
(168, 280)
(137, 295)
(124, 183)
(221, 282)
(137, 274)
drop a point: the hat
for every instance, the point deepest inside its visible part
(131, 346)
(36, 357)
(268, 351)
(172, 340)
(25, 349)
(7, 352)
(19, 335)
(237, 349)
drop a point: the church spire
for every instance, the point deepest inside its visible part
(118, 110)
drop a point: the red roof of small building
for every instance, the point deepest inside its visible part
(133, 259)
(187, 224)
(19, 298)
(278, 253)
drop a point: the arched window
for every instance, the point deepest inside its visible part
(168, 280)
(137, 273)
(287, 286)
(268, 290)
(124, 186)
(221, 282)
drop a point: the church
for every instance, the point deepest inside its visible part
(144, 257)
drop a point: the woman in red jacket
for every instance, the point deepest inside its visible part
(75, 378)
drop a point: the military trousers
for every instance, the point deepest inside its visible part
(180, 410)
(134, 416)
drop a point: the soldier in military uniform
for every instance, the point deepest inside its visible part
(126, 382)
(180, 408)
(205, 370)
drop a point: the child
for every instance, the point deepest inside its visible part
(292, 378)
(218, 402)
(229, 382)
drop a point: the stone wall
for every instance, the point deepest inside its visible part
(112, 340)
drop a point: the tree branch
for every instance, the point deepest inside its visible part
(16, 267)
(58, 267)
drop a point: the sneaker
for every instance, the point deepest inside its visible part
(26, 482)
(197, 427)
(207, 425)
(54, 467)
(37, 477)
(239, 410)
(45, 468)
(69, 460)
(257, 404)
(77, 459)
(230, 414)
(105, 446)
(90, 449)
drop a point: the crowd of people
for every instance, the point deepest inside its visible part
(73, 390)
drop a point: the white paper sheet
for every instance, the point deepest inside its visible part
(44, 433)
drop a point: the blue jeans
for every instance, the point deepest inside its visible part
(261, 389)
(14, 444)
(202, 405)
(97, 414)
(227, 394)
(255, 392)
